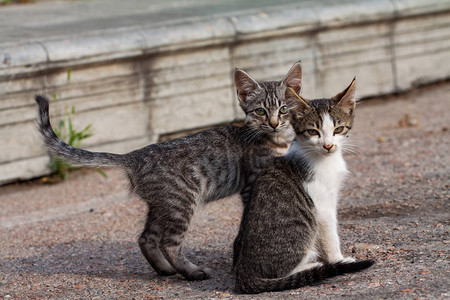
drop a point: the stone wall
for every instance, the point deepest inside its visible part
(133, 94)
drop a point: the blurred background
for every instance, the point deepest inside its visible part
(136, 72)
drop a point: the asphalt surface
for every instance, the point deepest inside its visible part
(78, 239)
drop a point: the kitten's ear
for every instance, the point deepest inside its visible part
(293, 79)
(347, 98)
(245, 85)
(300, 106)
(301, 103)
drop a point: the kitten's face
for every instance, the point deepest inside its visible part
(324, 128)
(323, 125)
(265, 104)
(267, 109)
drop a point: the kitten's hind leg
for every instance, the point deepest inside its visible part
(189, 270)
(171, 246)
(149, 245)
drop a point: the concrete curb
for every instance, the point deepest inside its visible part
(124, 42)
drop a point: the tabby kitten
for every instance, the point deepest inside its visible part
(290, 220)
(175, 176)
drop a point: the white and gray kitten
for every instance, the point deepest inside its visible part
(288, 235)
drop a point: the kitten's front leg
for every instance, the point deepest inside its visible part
(329, 238)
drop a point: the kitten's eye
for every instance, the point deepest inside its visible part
(339, 130)
(283, 109)
(313, 132)
(260, 111)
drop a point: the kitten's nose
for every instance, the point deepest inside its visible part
(328, 147)
(273, 125)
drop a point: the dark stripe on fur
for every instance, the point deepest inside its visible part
(300, 279)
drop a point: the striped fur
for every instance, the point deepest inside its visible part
(289, 219)
(300, 279)
(174, 177)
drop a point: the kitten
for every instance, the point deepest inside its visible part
(175, 176)
(291, 213)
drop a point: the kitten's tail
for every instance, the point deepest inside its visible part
(300, 279)
(66, 152)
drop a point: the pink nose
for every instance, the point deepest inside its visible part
(328, 147)
(273, 125)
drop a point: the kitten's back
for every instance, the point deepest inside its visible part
(281, 214)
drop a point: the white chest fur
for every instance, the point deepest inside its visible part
(329, 172)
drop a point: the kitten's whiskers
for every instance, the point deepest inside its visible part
(251, 136)
(350, 147)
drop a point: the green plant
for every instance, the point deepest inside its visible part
(71, 136)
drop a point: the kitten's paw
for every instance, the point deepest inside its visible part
(166, 272)
(201, 273)
(348, 259)
(333, 259)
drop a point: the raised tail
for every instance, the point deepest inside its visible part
(66, 152)
(247, 285)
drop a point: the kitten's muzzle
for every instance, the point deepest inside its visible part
(330, 148)
(273, 125)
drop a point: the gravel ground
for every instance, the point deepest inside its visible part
(78, 239)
